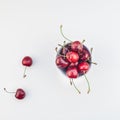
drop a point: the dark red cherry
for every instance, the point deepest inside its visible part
(27, 61)
(76, 46)
(66, 48)
(72, 72)
(61, 62)
(83, 67)
(19, 94)
(72, 56)
(85, 54)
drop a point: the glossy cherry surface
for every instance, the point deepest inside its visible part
(20, 94)
(72, 72)
(72, 56)
(76, 46)
(27, 61)
(61, 62)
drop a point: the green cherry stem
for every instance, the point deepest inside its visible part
(87, 84)
(70, 81)
(8, 91)
(24, 75)
(75, 86)
(83, 41)
(91, 51)
(94, 63)
(56, 49)
(63, 34)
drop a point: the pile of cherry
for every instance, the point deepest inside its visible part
(74, 59)
(20, 93)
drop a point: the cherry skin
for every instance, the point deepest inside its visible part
(65, 49)
(74, 64)
(27, 61)
(85, 54)
(72, 72)
(61, 62)
(83, 67)
(76, 46)
(72, 56)
(19, 94)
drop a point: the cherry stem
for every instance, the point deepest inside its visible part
(63, 34)
(64, 43)
(60, 45)
(8, 91)
(75, 86)
(94, 63)
(56, 49)
(83, 41)
(24, 75)
(70, 81)
(91, 51)
(87, 84)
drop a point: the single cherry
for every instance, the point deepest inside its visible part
(72, 72)
(85, 54)
(61, 62)
(19, 94)
(72, 56)
(76, 46)
(27, 62)
(83, 67)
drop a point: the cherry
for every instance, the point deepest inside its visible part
(72, 72)
(65, 49)
(83, 67)
(61, 62)
(19, 94)
(27, 62)
(76, 46)
(85, 54)
(72, 56)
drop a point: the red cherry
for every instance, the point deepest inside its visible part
(76, 46)
(72, 72)
(83, 67)
(19, 94)
(27, 62)
(72, 56)
(61, 62)
(85, 54)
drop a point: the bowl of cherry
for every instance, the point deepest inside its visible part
(74, 59)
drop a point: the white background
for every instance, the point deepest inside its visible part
(31, 27)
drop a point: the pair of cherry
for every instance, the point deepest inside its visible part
(74, 60)
(20, 93)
